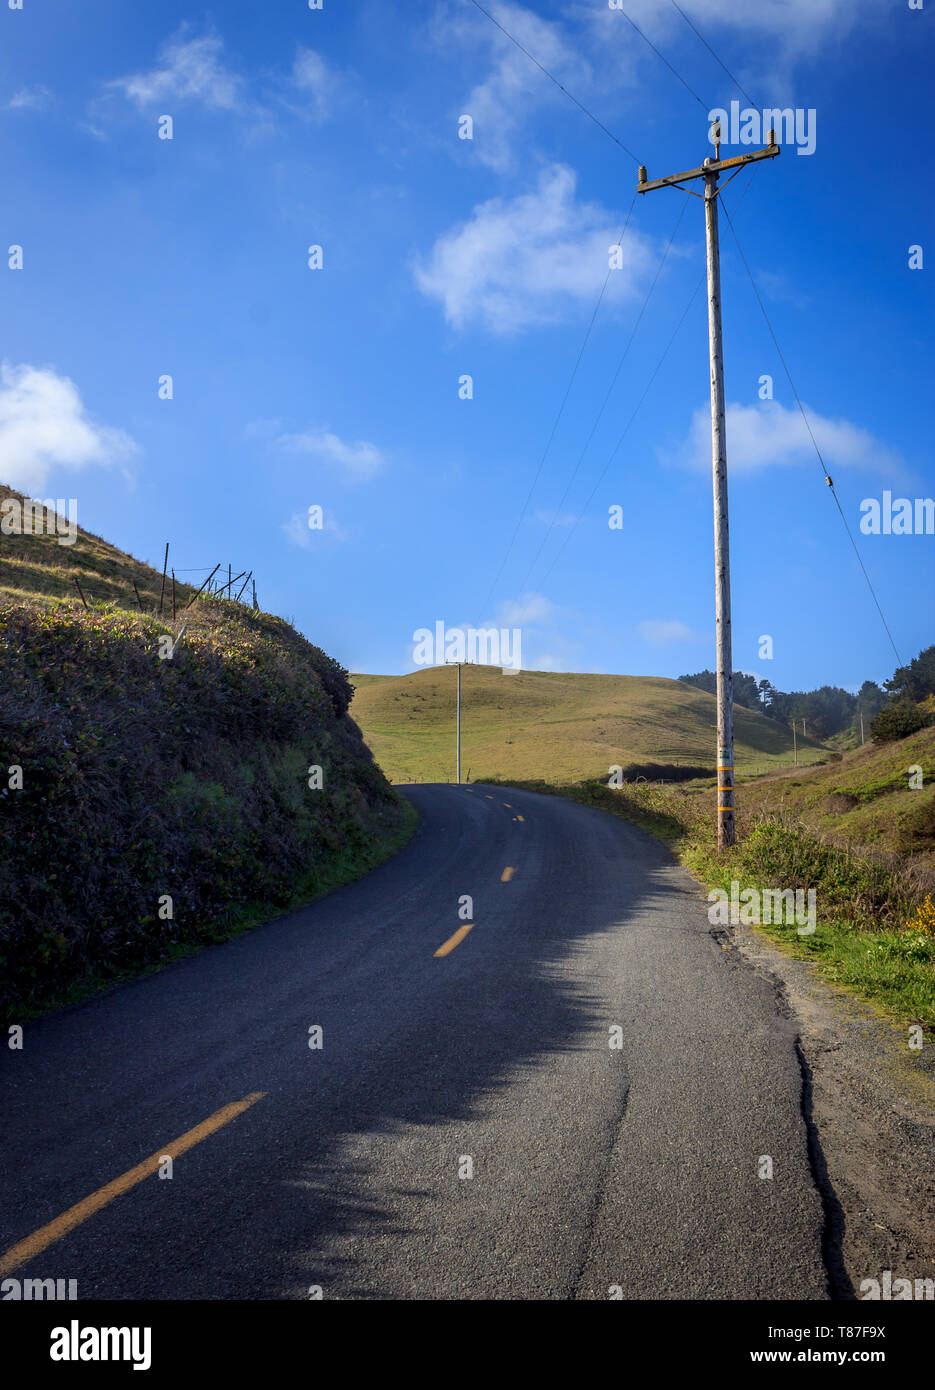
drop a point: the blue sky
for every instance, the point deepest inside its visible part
(443, 257)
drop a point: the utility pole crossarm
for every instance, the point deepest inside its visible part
(713, 167)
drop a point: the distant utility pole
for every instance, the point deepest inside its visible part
(861, 728)
(709, 171)
(458, 664)
(795, 746)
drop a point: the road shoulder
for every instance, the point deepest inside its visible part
(869, 1101)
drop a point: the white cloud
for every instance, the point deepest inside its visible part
(528, 610)
(30, 99)
(298, 532)
(530, 260)
(769, 434)
(662, 632)
(513, 87)
(43, 424)
(800, 26)
(596, 55)
(187, 70)
(551, 633)
(358, 461)
(317, 82)
(195, 70)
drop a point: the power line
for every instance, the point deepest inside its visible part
(808, 426)
(580, 104)
(600, 479)
(558, 417)
(613, 453)
(639, 403)
(713, 54)
(607, 396)
(688, 89)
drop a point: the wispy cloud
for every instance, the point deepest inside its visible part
(318, 84)
(512, 89)
(800, 27)
(187, 69)
(665, 632)
(530, 260)
(526, 611)
(197, 70)
(30, 99)
(771, 435)
(44, 424)
(359, 462)
(298, 532)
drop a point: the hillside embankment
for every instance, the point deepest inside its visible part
(162, 784)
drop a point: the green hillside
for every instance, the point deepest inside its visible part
(558, 727)
(148, 802)
(865, 800)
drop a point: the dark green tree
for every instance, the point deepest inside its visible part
(897, 719)
(916, 680)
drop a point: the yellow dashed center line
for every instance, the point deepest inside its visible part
(508, 806)
(453, 941)
(507, 874)
(519, 818)
(47, 1235)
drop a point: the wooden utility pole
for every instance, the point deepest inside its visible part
(458, 664)
(709, 171)
(795, 746)
(861, 728)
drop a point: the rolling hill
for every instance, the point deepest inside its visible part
(549, 725)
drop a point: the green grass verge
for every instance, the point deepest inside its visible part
(875, 927)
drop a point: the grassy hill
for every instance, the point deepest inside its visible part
(543, 724)
(863, 800)
(150, 803)
(36, 568)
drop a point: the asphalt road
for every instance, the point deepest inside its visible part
(633, 1168)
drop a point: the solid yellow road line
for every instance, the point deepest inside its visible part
(506, 875)
(47, 1235)
(453, 941)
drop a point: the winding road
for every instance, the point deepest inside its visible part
(571, 1098)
